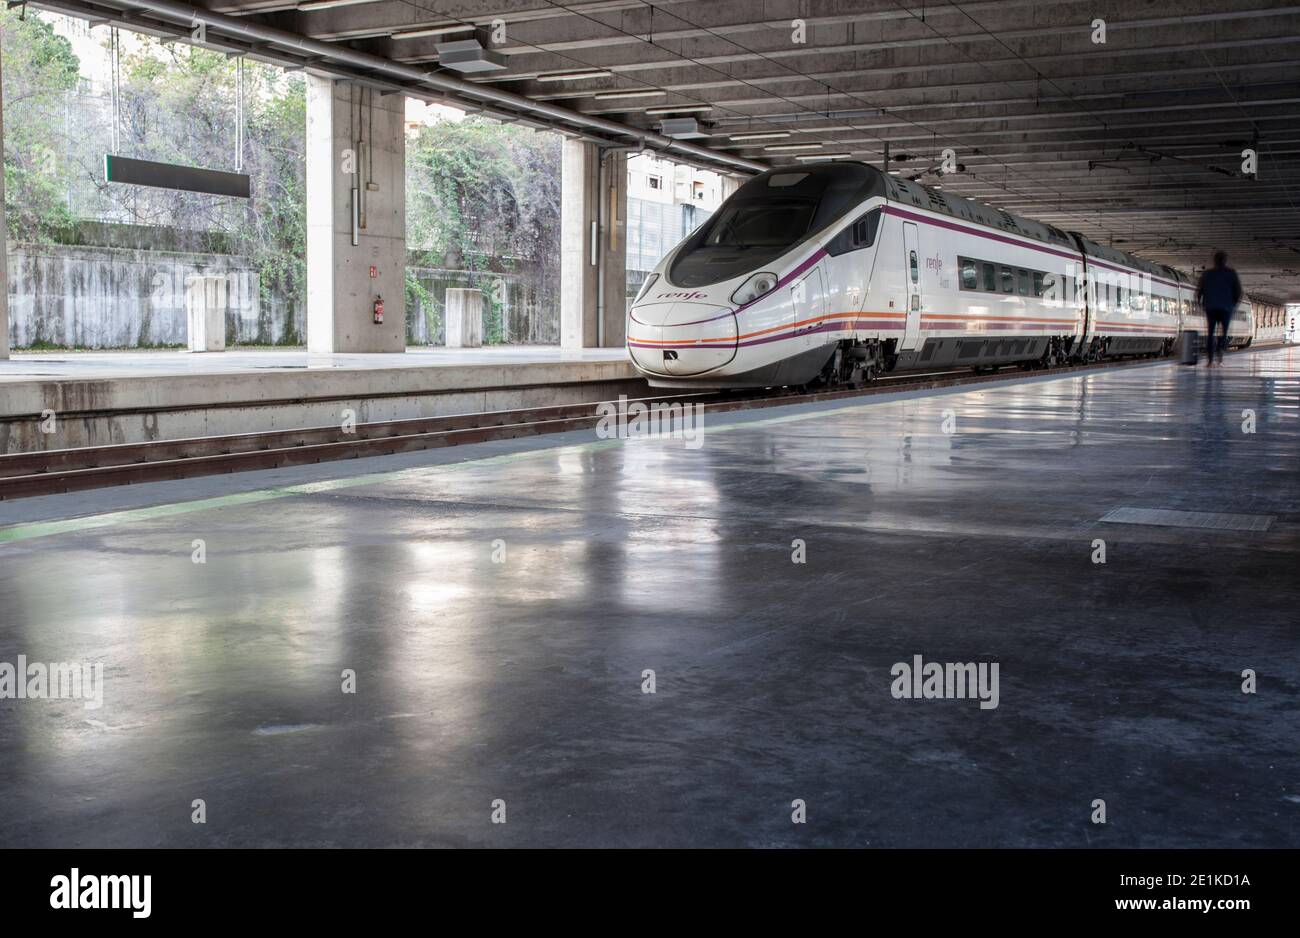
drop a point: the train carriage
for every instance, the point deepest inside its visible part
(1269, 320)
(835, 272)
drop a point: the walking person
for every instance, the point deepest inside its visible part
(1219, 292)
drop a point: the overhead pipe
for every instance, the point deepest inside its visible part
(315, 48)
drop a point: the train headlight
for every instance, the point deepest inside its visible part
(756, 286)
(645, 288)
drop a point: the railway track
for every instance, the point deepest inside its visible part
(24, 475)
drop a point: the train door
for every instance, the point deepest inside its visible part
(912, 275)
(808, 299)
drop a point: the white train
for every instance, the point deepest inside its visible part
(835, 272)
(1269, 320)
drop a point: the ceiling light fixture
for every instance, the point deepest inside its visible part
(648, 93)
(679, 109)
(310, 6)
(575, 75)
(791, 147)
(774, 135)
(812, 157)
(426, 31)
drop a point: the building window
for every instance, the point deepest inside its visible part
(655, 182)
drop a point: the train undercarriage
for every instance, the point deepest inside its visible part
(853, 363)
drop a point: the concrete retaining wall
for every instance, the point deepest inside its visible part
(86, 296)
(109, 297)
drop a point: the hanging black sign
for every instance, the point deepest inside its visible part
(134, 172)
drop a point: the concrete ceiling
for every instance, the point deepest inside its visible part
(1135, 142)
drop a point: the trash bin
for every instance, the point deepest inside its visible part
(1187, 348)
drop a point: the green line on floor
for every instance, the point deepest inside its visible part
(22, 532)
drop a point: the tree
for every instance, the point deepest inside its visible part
(40, 72)
(485, 197)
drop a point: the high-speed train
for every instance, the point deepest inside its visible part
(1269, 319)
(835, 272)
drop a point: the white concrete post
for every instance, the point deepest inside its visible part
(205, 313)
(464, 318)
(356, 153)
(577, 218)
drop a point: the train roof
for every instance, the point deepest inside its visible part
(1116, 256)
(927, 197)
(936, 200)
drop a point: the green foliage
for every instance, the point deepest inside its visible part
(482, 194)
(178, 105)
(484, 197)
(40, 70)
(419, 298)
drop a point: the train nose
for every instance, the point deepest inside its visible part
(680, 339)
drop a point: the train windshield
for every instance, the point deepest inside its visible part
(768, 216)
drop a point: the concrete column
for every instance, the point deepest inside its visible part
(356, 151)
(729, 185)
(613, 251)
(4, 243)
(593, 264)
(577, 217)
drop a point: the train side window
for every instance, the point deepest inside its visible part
(916, 269)
(1024, 281)
(969, 279)
(1008, 280)
(1038, 283)
(990, 278)
(860, 234)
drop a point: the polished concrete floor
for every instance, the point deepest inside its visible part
(960, 527)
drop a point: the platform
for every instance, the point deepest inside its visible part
(132, 397)
(959, 525)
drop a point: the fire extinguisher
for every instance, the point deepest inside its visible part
(379, 309)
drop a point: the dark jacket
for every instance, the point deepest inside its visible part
(1219, 289)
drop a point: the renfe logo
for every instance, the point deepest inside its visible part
(681, 296)
(103, 892)
(933, 263)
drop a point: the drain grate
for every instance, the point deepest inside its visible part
(1206, 520)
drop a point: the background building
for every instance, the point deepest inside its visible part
(665, 202)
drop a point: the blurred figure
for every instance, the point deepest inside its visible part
(1219, 292)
